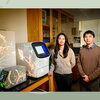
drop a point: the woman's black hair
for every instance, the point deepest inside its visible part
(66, 46)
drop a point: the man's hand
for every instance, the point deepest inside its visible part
(86, 78)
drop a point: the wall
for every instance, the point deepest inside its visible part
(93, 25)
(14, 20)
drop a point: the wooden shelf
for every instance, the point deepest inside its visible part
(40, 82)
(46, 25)
(47, 44)
(46, 37)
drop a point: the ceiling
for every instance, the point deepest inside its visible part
(84, 14)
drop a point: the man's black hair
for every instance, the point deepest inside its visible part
(89, 32)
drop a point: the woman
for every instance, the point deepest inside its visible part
(64, 60)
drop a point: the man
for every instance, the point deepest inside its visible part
(89, 64)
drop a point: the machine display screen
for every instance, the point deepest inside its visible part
(40, 49)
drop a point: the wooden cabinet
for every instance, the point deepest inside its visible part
(45, 24)
(54, 24)
(64, 23)
(34, 25)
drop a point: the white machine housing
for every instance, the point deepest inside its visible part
(34, 58)
(7, 49)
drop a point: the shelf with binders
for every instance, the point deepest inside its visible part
(46, 33)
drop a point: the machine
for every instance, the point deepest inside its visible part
(35, 56)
